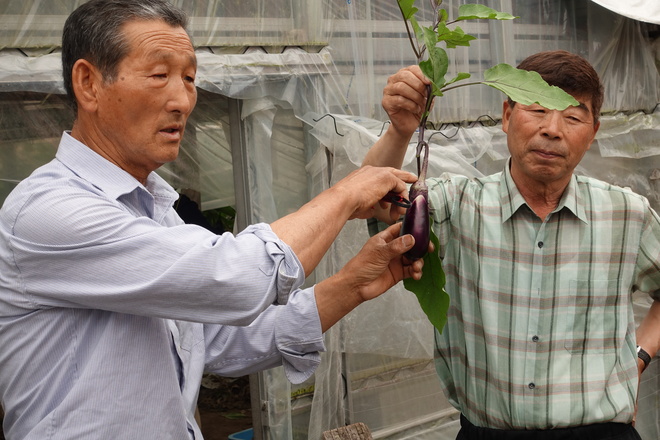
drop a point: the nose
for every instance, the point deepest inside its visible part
(182, 97)
(552, 124)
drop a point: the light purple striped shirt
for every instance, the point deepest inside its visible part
(111, 308)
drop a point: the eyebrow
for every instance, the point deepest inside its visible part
(583, 106)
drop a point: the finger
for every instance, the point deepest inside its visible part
(413, 271)
(419, 81)
(406, 95)
(404, 98)
(400, 245)
(370, 184)
(418, 265)
(400, 183)
(415, 69)
(412, 75)
(406, 176)
(395, 104)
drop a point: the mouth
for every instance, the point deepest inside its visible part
(172, 132)
(547, 154)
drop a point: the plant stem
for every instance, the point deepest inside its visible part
(425, 115)
(445, 89)
(418, 54)
(421, 143)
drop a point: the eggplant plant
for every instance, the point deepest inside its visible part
(521, 86)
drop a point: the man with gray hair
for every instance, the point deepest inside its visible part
(111, 308)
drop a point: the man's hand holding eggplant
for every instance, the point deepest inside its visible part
(378, 266)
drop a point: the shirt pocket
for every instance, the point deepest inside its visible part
(187, 336)
(592, 317)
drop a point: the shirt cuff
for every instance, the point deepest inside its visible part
(299, 337)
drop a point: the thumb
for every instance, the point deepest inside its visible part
(397, 245)
(406, 241)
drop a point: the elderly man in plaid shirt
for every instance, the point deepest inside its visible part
(541, 265)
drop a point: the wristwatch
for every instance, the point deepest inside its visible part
(643, 355)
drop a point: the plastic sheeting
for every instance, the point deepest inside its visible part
(309, 77)
(642, 10)
(366, 42)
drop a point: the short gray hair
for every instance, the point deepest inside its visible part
(93, 32)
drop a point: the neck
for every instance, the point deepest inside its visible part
(542, 197)
(88, 138)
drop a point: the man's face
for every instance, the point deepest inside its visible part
(547, 145)
(142, 114)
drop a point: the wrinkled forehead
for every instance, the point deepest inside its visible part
(156, 38)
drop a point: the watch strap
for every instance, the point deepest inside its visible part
(643, 355)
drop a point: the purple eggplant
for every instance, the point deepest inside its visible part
(417, 221)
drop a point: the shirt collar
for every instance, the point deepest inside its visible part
(109, 178)
(512, 200)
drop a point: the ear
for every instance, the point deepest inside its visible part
(86, 80)
(596, 127)
(506, 115)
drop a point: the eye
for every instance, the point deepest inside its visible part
(159, 75)
(190, 79)
(576, 118)
(534, 108)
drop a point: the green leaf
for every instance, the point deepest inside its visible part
(407, 8)
(453, 38)
(430, 38)
(417, 29)
(527, 87)
(430, 289)
(459, 77)
(435, 67)
(442, 15)
(473, 12)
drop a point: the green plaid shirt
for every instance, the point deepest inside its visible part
(540, 330)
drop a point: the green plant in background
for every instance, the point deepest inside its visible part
(520, 85)
(224, 217)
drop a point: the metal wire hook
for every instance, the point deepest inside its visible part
(382, 128)
(333, 119)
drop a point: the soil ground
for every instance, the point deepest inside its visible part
(224, 406)
(216, 426)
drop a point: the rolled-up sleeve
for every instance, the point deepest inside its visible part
(287, 335)
(290, 274)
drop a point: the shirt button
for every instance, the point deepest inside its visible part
(540, 244)
(531, 385)
(535, 338)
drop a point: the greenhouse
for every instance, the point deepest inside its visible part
(289, 102)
